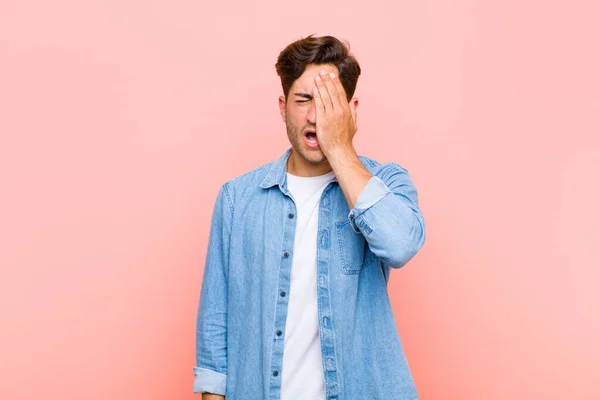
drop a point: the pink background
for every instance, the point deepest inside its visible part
(119, 121)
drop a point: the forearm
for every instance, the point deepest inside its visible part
(387, 214)
(210, 372)
(394, 231)
(351, 174)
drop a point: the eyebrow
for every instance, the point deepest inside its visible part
(304, 95)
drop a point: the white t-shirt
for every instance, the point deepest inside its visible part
(302, 370)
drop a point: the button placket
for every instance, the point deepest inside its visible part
(282, 289)
(322, 281)
(323, 294)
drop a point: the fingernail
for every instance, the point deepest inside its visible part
(315, 90)
(332, 75)
(323, 72)
(318, 78)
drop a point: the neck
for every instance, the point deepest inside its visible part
(299, 166)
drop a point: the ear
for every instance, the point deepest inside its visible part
(282, 107)
(353, 106)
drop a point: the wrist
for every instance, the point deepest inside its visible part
(342, 157)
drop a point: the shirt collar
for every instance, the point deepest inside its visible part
(277, 172)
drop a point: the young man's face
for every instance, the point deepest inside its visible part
(299, 115)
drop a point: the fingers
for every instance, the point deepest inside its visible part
(340, 91)
(328, 81)
(318, 102)
(332, 92)
(323, 95)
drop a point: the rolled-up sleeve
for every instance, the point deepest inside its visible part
(387, 214)
(209, 381)
(210, 373)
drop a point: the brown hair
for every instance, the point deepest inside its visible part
(292, 61)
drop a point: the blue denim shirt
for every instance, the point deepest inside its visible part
(244, 296)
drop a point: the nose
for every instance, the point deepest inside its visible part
(312, 113)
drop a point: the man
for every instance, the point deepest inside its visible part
(294, 301)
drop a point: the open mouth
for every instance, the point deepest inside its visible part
(311, 138)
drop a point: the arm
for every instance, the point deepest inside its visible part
(384, 208)
(387, 214)
(211, 325)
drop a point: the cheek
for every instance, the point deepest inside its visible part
(298, 113)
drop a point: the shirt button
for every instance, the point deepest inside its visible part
(322, 281)
(325, 201)
(286, 254)
(291, 215)
(325, 321)
(282, 294)
(279, 333)
(275, 373)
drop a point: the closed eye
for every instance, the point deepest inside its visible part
(304, 96)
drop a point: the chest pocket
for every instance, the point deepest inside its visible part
(354, 251)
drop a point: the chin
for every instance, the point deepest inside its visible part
(315, 157)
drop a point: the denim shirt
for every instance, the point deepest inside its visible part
(244, 296)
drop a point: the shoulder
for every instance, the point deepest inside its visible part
(247, 183)
(257, 175)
